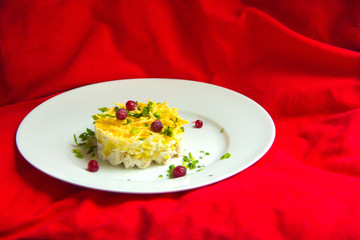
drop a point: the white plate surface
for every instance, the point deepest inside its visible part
(45, 136)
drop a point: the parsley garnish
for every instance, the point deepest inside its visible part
(87, 142)
(136, 115)
(103, 109)
(225, 156)
(168, 131)
(189, 161)
(78, 153)
(146, 110)
(157, 115)
(134, 130)
(171, 168)
(107, 115)
(127, 121)
(175, 121)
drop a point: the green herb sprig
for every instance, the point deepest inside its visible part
(87, 142)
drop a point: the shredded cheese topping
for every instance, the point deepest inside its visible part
(137, 126)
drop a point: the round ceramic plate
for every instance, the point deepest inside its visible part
(233, 124)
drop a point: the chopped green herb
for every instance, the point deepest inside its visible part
(95, 117)
(225, 156)
(103, 109)
(192, 165)
(222, 130)
(207, 153)
(136, 115)
(168, 131)
(127, 121)
(160, 176)
(87, 142)
(78, 153)
(171, 168)
(157, 115)
(75, 140)
(107, 115)
(146, 110)
(142, 139)
(200, 169)
(189, 161)
(182, 129)
(134, 130)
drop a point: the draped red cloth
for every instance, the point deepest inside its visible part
(300, 60)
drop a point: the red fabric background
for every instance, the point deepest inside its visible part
(299, 59)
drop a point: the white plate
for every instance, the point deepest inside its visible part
(45, 136)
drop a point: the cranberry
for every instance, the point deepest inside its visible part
(179, 171)
(198, 124)
(93, 166)
(130, 105)
(121, 114)
(156, 126)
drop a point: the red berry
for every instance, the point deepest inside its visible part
(93, 166)
(179, 171)
(130, 105)
(156, 126)
(198, 124)
(121, 114)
